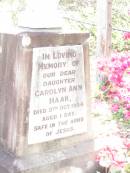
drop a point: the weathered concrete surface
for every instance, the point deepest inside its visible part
(49, 162)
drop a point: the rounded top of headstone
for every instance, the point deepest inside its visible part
(41, 14)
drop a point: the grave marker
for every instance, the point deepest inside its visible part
(45, 101)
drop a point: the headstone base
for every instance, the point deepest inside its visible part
(68, 160)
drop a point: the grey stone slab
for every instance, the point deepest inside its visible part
(47, 160)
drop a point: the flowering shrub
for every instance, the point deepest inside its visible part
(114, 89)
(115, 159)
(114, 86)
(126, 41)
(126, 36)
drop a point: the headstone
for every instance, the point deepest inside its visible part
(44, 102)
(41, 14)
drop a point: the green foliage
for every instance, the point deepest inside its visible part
(120, 21)
(74, 4)
(85, 12)
(127, 168)
(13, 8)
(14, 5)
(80, 15)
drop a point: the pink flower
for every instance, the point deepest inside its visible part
(119, 162)
(103, 88)
(101, 67)
(105, 156)
(127, 106)
(115, 84)
(110, 156)
(116, 78)
(115, 108)
(125, 64)
(127, 143)
(115, 95)
(127, 115)
(128, 89)
(126, 36)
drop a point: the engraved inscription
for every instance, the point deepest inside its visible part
(58, 96)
